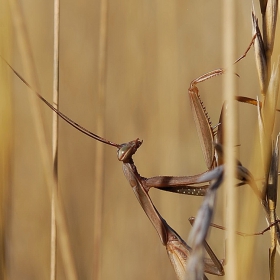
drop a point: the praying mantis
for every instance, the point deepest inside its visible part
(177, 249)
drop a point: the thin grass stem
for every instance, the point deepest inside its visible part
(229, 89)
(99, 158)
(6, 129)
(55, 136)
(29, 66)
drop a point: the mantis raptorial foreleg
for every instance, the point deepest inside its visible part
(202, 121)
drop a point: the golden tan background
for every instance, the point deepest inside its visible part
(154, 50)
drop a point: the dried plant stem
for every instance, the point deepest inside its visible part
(230, 137)
(99, 158)
(5, 130)
(55, 137)
(28, 63)
(270, 155)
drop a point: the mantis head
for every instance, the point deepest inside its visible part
(127, 150)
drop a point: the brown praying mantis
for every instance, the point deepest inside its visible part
(177, 249)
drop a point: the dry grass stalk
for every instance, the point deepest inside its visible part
(266, 112)
(26, 55)
(55, 138)
(260, 55)
(100, 130)
(6, 133)
(269, 27)
(269, 84)
(230, 136)
(272, 186)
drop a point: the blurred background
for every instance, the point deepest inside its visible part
(154, 50)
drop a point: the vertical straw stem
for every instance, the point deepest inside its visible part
(55, 137)
(230, 136)
(6, 129)
(29, 66)
(99, 158)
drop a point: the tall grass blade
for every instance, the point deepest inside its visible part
(29, 66)
(6, 133)
(272, 188)
(55, 137)
(230, 136)
(99, 158)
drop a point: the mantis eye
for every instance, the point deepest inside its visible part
(124, 152)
